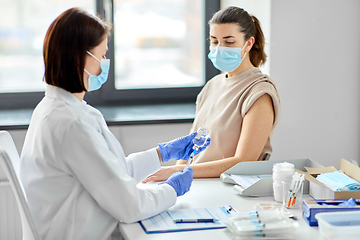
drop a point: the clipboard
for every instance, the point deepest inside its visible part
(164, 222)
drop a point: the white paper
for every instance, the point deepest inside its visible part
(247, 180)
(164, 222)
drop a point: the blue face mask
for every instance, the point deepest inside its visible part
(338, 181)
(226, 59)
(96, 81)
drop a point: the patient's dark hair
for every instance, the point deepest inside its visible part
(69, 36)
(249, 25)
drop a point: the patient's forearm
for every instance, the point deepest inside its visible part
(214, 168)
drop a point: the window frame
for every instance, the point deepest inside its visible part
(108, 95)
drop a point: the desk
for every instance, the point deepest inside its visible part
(212, 192)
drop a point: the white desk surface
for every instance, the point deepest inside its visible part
(212, 192)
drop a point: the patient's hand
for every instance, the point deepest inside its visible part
(163, 174)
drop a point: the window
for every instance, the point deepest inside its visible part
(158, 43)
(158, 49)
(23, 25)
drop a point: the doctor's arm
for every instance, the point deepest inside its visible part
(86, 154)
(256, 128)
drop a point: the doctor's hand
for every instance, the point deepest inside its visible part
(180, 181)
(180, 148)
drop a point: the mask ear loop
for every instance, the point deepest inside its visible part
(93, 55)
(243, 49)
(87, 72)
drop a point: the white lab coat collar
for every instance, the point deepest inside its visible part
(63, 95)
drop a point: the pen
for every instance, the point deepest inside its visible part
(200, 220)
(231, 210)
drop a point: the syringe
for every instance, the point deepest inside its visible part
(199, 140)
(190, 160)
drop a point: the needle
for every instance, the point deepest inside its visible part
(190, 160)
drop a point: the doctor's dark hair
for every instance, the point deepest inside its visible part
(249, 25)
(68, 38)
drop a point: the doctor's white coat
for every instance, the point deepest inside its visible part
(77, 180)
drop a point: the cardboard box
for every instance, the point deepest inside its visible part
(319, 191)
(263, 187)
(312, 207)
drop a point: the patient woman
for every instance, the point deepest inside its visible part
(239, 107)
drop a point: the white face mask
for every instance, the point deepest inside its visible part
(96, 81)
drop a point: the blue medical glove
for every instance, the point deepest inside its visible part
(180, 148)
(180, 181)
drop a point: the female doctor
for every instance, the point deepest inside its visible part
(77, 180)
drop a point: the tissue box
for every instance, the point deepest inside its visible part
(312, 207)
(319, 191)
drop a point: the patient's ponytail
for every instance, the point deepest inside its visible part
(249, 25)
(257, 53)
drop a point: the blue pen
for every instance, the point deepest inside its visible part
(200, 220)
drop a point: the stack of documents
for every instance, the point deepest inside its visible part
(187, 220)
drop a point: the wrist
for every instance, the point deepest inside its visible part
(177, 168)
(159, 154)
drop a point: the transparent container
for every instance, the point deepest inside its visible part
(292, 199)
(339, 225)
(201, 137)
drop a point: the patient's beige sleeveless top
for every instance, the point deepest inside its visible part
(221, 107)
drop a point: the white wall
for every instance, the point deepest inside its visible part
(133, 138)
(142, 137)
(315, 61)
(261, 9)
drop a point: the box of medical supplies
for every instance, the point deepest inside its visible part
(339, 225)
(312, 207)
(255, 178)
(319, 191)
